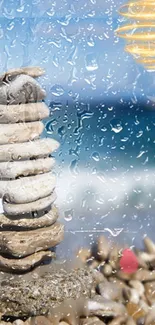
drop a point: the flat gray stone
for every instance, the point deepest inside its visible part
(24, 264)
(20, 132)
(23, 113)
(22, 89)
(31, 222)
(14, 169)
(24, 243)
(28, 150)
(27, 208)
(27, 189)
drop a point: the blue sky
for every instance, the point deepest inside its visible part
(76, 44)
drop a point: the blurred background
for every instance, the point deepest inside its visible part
(102, 113)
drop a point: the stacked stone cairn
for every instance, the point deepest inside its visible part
(29, 227)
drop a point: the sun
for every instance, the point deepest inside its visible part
(139, 32)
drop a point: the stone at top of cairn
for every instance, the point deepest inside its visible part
(34, 72)
(29, 226)
(18, 86)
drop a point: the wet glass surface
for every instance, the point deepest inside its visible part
(102, 113)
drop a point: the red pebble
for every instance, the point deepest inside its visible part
(128, 261)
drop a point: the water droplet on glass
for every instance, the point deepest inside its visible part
(49, 127)
(65, 20)
(82, 218)
(72, 56)
(91, 63)
(90, 41)
(8, 13)
(55, 42)
(110, 108)
(90, 79)
(51, 12)
(74, 167)
(55, 61)
(62, 131)
(134, 217)
(116, 125)
(91, 13)
(57, 90)
(139, 134)
(69, 198)
(65, 119)
(10, 26)
(103, 129)
(21, 8)
(140, 154)
(96, 156)
(68, 215)
(90, 27)
(100, 200)
(125, 139)
(73, 76)
(101, 141)
(84, 115)
(64, 35)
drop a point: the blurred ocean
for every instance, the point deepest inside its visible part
(105, 170)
